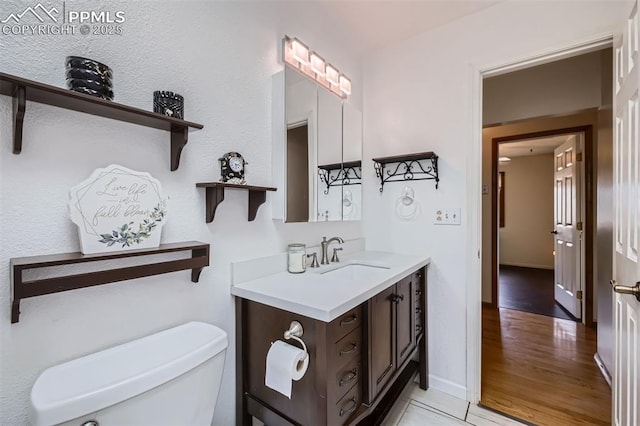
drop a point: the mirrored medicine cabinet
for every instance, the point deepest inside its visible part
(321, 153)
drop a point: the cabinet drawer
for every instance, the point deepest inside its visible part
(344, 324)
(343, 380)
(347, 349)
(344, 409)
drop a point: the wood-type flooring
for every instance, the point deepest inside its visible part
(541, 370)
(529, 290)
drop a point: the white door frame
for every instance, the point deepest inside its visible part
(474, 194)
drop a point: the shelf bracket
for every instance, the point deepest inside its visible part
(214, 195)
(198, 253)
(179, 138)
(256, 199)
(19, 106)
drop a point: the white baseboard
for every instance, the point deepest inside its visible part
(527, 265)
(448, 387)
(603, 368)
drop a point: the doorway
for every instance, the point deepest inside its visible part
(549, 136)
(507, 335)
(539, 268)
(298, 172)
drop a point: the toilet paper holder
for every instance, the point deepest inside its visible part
(295, 332)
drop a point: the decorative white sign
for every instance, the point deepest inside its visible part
(118, 209)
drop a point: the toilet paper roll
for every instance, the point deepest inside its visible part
(285, 363)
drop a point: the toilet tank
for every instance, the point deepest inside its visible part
(168, 378)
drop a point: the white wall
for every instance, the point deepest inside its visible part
(525, 239)
(220, 56)
(419, 97)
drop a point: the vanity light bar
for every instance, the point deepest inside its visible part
(297, 54)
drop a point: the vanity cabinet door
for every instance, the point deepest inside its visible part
(382, 337)
(405, 313)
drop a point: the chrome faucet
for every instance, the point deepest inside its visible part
(325, 244)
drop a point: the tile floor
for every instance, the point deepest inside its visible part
(432, 407)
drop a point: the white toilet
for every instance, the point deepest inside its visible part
(170, 378)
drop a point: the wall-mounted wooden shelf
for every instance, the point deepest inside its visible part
(23, 90)
(341, 174)
(23, 289)
(214, 195)
(418, 166)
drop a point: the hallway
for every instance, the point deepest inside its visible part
(529, 290)
(541, 369)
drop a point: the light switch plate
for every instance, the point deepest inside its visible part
(447, 217)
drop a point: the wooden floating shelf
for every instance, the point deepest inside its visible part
(214, 195)
(422, 171)
(24, 289)
(23, 90)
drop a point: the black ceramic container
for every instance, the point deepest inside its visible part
(89, 77)
(168, 103)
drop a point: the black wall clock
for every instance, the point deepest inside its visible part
(232, 168)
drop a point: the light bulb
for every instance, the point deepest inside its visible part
(317, 64)
(345, 85)
(333, 76)
(300, 51)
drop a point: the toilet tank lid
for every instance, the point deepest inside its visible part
(99, 380)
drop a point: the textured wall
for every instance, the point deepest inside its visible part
(220, 56)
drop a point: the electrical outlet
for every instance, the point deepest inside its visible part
(447, 217)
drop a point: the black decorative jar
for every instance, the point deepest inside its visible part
(168, 103)
(89, 77)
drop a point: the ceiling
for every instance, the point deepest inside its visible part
(531, 146)
(380, 24)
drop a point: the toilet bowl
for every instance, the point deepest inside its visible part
(169, 378)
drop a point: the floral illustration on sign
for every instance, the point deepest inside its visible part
(126, 236)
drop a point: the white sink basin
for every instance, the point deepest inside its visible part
(354, 271)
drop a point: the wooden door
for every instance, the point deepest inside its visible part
(405, 318)
(568, 227)
(382, 336)
(626, 268)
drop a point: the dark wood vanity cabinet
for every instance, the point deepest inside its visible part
(354, 359)
(392, 332)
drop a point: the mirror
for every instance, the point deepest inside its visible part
(320, 130)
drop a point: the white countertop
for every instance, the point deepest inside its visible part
(327, 292)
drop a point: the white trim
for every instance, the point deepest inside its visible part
(474, 262)
(448, 387)
(603, 368)
(474, 182)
